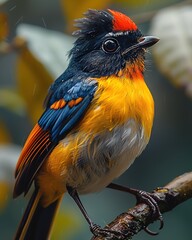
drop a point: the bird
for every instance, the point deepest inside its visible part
(97, 119)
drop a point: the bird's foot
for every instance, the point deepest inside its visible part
(151, 200)
(144, 197)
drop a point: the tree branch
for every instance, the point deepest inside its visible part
(136, 218)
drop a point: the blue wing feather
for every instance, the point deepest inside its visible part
(76, 115)
(59, 121)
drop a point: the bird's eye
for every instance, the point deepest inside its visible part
(110, 45)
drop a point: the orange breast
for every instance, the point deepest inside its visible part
(117, 100)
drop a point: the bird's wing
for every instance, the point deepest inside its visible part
(65, 108)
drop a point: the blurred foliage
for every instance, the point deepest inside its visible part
(4, 29)
(31, 57)
(11, 103)
(145, 3)
(3, 1)
(64, 224)
(174, 52)
(33, 81)
(4, 195)
(53, 54)
(12, 100)
(74, 9)
(8, 155)
(4, 135)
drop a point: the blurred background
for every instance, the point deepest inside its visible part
(35, 37)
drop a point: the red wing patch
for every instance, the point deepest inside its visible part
(122, 22)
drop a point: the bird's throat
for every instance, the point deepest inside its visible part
(133, 70)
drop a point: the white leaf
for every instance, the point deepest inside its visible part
(50, 47)
(174, 51)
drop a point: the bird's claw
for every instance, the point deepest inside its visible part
(151, 200)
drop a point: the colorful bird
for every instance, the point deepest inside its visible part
(98, 118)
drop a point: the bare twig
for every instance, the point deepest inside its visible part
(138, 217)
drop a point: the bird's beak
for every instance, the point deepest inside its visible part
(144, 42)
(148, 41)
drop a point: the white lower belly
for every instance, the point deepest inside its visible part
(98, 183)
(107, 157)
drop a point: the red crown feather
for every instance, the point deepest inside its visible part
(122, 22)
(98, 22)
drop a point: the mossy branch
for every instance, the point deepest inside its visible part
(137, 218)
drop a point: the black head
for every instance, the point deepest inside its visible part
(107, 42)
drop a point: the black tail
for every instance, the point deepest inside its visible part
(37, 221)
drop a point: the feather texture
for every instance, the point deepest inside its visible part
(112, 133)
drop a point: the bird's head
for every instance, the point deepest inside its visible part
(109, 42)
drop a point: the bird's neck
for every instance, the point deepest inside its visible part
(132, 70)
